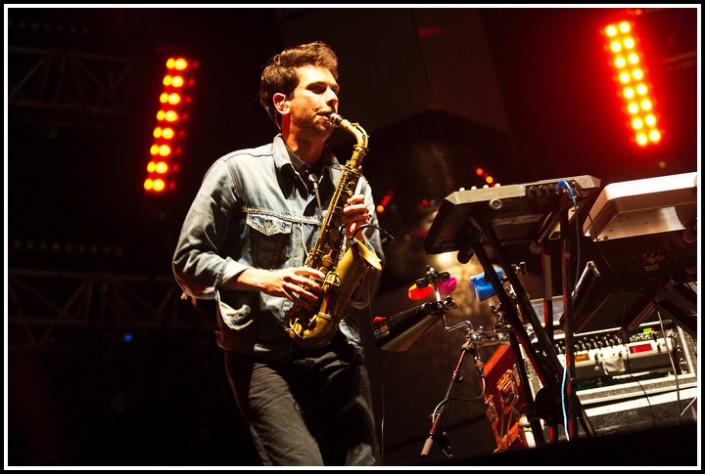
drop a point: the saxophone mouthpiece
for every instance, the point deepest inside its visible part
(335, 119)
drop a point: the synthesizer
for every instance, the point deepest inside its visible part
(515, 212)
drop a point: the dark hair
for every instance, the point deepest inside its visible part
(279, 75)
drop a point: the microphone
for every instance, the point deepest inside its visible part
(313, 179)
(400, 331)
(308, 175)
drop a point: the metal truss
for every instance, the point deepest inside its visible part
(52, 309)
(68, 88)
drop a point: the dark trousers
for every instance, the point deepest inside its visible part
(315, 410)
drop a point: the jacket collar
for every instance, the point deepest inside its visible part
(282, 160)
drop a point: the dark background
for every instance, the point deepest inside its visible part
(525, 93)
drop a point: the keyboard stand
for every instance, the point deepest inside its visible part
(545, 361)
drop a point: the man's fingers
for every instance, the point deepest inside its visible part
(300, 296)
(356, 199)
(301, 283)
(309, 272)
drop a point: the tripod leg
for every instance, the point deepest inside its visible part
(433, 434)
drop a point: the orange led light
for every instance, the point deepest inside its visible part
(166, 149)
(158, 185)
(631, 76)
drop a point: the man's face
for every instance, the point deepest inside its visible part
(313, 100)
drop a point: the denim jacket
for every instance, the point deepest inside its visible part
(253, 209)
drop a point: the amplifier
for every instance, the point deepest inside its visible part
(649, 379)
(608, 366)
(603, 358)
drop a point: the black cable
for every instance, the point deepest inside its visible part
(384, 232)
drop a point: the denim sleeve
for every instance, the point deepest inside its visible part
(201, 254)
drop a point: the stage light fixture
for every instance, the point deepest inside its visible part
(172, 117)
(385, 201)
(631, 78)
(486, 177)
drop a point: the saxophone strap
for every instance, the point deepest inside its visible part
(314, 181)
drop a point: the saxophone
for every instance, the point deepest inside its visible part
(314, 328)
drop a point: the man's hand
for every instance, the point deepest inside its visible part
(297, 284)
(355, 214)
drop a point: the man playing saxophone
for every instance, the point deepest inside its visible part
(245, 244)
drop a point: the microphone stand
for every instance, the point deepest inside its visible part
(434, 436)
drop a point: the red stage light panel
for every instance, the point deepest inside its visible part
(631, 79)
(170, 128)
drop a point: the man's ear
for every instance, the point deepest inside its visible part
(281, 103)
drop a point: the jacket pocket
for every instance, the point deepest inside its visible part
(235, 319)
(269, 240)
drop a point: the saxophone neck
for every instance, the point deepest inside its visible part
(361, 137)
